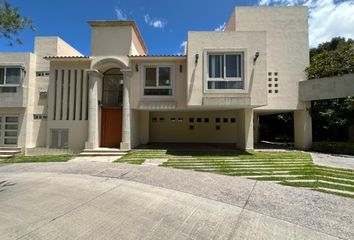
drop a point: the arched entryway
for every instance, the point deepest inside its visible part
(111, 108)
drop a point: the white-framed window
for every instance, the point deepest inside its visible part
(40, 116)
(11, 76)
(8, 130)
(158, 80)
(225, 71)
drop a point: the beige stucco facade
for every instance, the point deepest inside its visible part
(164, 98)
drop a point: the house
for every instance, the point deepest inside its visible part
(121, 97)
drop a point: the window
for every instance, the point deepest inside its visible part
(157, 81)
(11, 76)
(40, 116)
(9, 129)
(42, 73)
(225, 71)
(59, 138)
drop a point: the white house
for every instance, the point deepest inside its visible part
(121, 97)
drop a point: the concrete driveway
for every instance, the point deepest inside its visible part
(117, 201)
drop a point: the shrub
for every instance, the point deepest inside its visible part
(334, 147)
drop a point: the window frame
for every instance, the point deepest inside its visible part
(22, 75)
(224, 52)
(157, 66)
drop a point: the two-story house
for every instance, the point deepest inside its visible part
(121, 97)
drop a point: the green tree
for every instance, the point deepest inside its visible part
(12, 23)
(331, 118)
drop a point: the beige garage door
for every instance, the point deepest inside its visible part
(193, 127)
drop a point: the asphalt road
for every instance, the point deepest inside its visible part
(90, 200)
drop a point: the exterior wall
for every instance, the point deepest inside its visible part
(287, 48)
(255, 75)
(105, 39)
(177, 101)
(67, 108)
(327, 88)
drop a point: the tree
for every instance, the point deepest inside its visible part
(331, 118)
(12, 23)
(333, 58)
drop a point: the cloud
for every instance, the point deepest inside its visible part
(327, 18)
(120, 13)
(156, 23)
(183, 45)
(221, 27)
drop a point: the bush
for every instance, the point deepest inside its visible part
(334, 147)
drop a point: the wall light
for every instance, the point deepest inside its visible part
(255, 57)
(137, 67)
(196, 58)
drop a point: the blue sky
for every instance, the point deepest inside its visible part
(163, 23)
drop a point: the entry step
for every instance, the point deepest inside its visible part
(8, 152)
(103, 152)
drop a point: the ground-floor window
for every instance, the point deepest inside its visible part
(59, 138)
(8, 130)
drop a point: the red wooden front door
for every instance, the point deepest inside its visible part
(111, 122)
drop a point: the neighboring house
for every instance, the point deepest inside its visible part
(121, 97)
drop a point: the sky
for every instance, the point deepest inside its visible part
(164, 24)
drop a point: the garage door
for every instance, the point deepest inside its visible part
(193, 127)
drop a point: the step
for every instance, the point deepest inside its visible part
(5, 156)
(9, 152)
(105, 150)
(10, 148)
(102, 154)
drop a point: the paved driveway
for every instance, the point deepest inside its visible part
(117, 201)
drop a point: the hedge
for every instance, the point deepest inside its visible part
(334, 147)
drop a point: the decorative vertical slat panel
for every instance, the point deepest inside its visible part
(84, 96)
(78, 95)
(58, 95)
(65, 95)
(87, 95)
(62, 93)
(81, 92)
(69, 104)
(74, 94)
(54, 91)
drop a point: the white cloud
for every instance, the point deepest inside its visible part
(156, 23)
(120, 13)
(221, 27)
(327, 18)
(183, 45)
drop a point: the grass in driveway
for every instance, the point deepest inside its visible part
(287, 168)
(44, 158)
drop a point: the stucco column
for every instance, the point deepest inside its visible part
(303, 128)
(245, 129)
(126, 143)
(92, 137)
(256, 127)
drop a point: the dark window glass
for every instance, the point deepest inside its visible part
(233, 120)
(216, 66)
(2, 75)
(150, 77)
(217, 120)
(206, 120)
(217, 127)
(157, 92)
(191, 120)
(226, 120)
(199, 120)
(233, 65)
(13, 75)
(225, 85)
(112, 88)
(164, 76)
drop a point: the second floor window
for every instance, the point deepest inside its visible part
(225, 71)
(10, 76)
(157, 81)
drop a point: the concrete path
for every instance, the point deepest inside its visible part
(333, 160)
(95, 159)
(90, 200)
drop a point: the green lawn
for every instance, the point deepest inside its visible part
(287, 168)
(44, 158)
